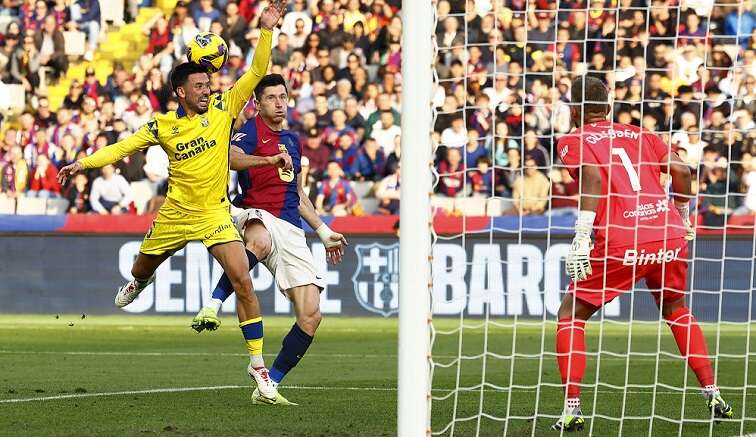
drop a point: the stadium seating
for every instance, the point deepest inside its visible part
(7, 205)
(57, 206)
(31, 206)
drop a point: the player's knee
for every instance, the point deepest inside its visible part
(260, 245)
(310, 320)
(670, 307)
(242, 286)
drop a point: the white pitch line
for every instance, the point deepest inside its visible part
(234, 354)
(287, 387)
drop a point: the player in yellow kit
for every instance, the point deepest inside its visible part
(196, 138)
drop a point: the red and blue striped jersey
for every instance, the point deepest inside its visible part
(269, 188)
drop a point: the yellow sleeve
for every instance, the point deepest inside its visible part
(242, 90)
(143, 138)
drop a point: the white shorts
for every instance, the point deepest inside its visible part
(290, 261)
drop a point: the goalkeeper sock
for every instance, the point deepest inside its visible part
(570, 347)
(224, 289)
(293, 348)
(690, 340)
(252, 330)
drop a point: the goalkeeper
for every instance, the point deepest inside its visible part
(637, 237)
(196, 138)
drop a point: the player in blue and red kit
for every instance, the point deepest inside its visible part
(274, 205)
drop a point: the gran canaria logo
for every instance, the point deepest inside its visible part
(192, 148)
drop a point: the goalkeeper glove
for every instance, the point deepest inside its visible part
(684, 210)
(578, 257)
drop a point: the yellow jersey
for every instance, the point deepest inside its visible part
(197, 146)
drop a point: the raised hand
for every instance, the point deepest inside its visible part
(270, 15)
(69, 171)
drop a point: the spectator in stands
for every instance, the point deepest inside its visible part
(75, 98)
(385, 131)
(51, 47)
(141, 114)
(61, 12)
(44, 181)
(37, 19)
(15, 173)
(282, 51)
(78, 195)
(235, 27)
(354, 118)
(317, 154)
(206, 14)
(740, 23)
(534, 149)
(530, 191)
(343, 92)
(65, 125)
(455, 136)
(451, 172)
(388, 193)
(484, 180)
(382, 103)
(24, 65)
(335, 196)
(85, 16)
(346, 154)
(474, 149)
(565, 192)
(111, 193)
(370, 162)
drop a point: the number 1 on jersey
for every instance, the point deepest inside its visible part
(634, 179)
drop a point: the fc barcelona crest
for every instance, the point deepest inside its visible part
(376, 280)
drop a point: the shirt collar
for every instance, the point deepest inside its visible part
(180, 112)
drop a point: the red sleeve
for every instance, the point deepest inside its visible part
(572, 156)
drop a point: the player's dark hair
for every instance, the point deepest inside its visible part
(590, 89)
(269, 81)
(181, 73)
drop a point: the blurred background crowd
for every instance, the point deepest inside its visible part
(683, 69)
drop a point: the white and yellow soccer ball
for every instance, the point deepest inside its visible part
(208, 50)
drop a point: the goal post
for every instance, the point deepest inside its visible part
(415, 216)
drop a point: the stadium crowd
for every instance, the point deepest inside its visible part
(504, 69)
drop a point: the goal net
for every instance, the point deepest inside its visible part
(504, 211)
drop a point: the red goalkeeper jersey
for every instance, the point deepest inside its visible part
(634, 207)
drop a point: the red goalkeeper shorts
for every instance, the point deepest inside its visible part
(663, 264)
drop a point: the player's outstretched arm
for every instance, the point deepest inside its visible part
(140, 140)
(578, 258)
(681, 180)
(243, 161)
(334, 242)
(242, 90)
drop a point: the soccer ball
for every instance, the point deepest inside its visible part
(208, 50)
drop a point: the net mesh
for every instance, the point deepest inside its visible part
(504, 211)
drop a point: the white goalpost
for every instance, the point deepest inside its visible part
(478, 298)
(415, 237)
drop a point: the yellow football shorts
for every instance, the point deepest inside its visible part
(171, 230)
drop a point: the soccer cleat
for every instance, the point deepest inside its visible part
(719, 407)
(129, 291)
(571, 420)
(258, 399)
(206, 318)
(267, 389)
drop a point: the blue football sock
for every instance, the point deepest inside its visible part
(224, 289)
(293, 348)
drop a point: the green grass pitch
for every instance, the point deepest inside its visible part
(146, 375)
